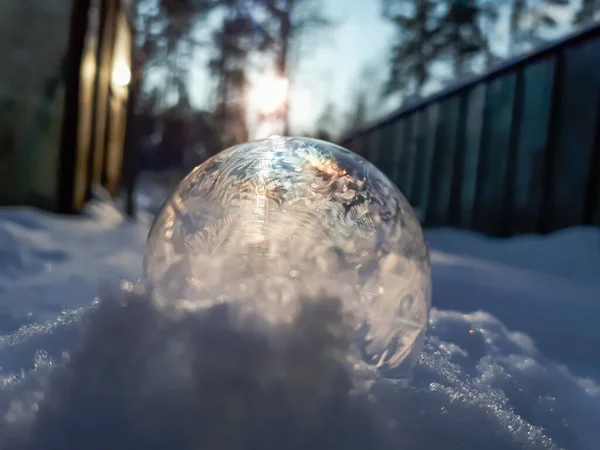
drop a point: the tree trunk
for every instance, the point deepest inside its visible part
(514, 26)
(131, 146)
(285, 36)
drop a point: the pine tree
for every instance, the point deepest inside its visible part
(361, 108)
(165, 34)
(588, 12)
(237, 38)
(417, 45)
(488, 20)
(326, 123)
(529, 21)
(287, 20)
(462, 35)
(358, 116)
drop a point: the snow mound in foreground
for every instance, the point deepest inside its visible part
(139, 377)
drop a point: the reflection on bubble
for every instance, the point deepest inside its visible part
(269, 225)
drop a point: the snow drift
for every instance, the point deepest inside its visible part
(119, 373)
(140, 377)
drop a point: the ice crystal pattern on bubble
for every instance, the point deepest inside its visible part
(269, 224)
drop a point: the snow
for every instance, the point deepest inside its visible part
(511, 359)
(49, 263)
(546, 286)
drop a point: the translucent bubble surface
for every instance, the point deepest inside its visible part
(270, 225)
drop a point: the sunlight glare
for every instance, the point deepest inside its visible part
(269, 93)
(121, 74)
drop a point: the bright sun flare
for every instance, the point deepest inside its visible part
(269, 93)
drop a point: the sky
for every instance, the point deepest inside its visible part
(330, 63)
(331, 73)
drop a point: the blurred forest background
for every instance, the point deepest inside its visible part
(220, 72)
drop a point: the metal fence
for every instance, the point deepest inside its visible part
(513, 151)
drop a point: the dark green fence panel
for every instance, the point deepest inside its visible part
(493, 164)
(532, 141)
(412, 145)
(593, 200)
(372, 147)
(423, 169)
(406, 158)
(388, 150)
(458, 158)
(470, 163)
(399, 128)
(576, 132)
(419, 140)
(516, 150)
(443, 162)
(357, 145)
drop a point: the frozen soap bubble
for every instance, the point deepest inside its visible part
(270, 225)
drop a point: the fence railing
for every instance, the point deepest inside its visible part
(513, 151)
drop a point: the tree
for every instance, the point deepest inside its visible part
(163, 37)
(463, 38)
(488, 20)
(587, 12)
(359, 113)
(287, 20)
(238, 36)
(361, 108)
(326, 126)
(529, 21)
(417, 45)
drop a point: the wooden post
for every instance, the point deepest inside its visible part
(104, 49)
(68, 145)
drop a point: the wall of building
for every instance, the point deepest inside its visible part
(35, 165)
(33, 43)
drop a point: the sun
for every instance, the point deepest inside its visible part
(269, 93)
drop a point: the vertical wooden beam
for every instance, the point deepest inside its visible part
(104, 35)
(101, 93)
(68, 146)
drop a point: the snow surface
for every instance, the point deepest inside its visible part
(49, 263)
(511, 360)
